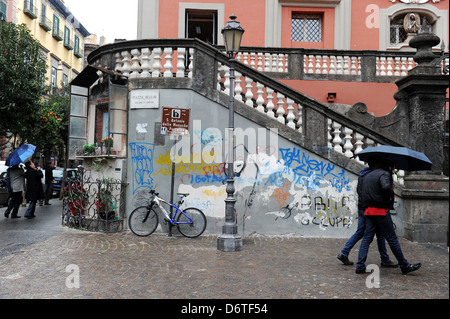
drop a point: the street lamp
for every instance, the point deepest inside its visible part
(230, 240)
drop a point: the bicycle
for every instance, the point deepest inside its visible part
(143, 221)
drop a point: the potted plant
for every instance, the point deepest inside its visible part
(105, 205)
(89, 149)
(108, 143)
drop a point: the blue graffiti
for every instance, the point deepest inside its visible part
(308, 172)
(142, 165)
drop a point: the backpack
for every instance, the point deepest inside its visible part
(8, 182)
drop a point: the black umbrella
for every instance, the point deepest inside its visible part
(403, 157)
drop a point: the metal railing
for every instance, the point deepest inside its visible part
(94, 205)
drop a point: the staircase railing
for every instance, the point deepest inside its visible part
(322, 130)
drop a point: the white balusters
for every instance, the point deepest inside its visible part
(358, 144)
(191, 62)
(280, 108)
(280, 62)
(337, 137)
(329, 135)
(181, 56)
(300, 118)
(332, 64)
(346, 65)
(156, 62)
(237, 86)
(260, 64)
(310, 64)
(270, 106)
(119, 63)
(353, 66)
(126, 61)
(135, 65)
(227, 80)
(267, 62)
(348, 146)
(259, 99)
(324, 64)
(290, 117)
(248, 92)
(168, 65)
(318, 65)
(145, 63)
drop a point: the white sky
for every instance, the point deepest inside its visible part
(113, 19)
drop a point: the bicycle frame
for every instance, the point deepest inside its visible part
(159, 200)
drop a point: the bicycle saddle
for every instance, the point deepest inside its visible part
(183, 194)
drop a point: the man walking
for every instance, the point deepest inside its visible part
(359, 233)
(378, 196)
(48, 182)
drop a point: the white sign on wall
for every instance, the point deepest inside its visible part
(144, 99)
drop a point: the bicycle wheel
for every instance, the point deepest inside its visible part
(143, 222)
(198, 225)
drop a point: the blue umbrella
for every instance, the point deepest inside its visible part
(403, 157)
(20, 154)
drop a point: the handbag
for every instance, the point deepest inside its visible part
(374, 211)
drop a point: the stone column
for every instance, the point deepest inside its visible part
(426, 193)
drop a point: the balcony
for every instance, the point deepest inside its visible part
(45, 23)
(57, 34)
(68, 44)
(30, 9)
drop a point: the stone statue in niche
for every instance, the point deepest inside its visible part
(411, 23)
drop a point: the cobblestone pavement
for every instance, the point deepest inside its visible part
(122, 265)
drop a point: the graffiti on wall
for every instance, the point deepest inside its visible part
(142, 165)
(274, 186)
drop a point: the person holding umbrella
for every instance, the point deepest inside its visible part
(35, 190)
(378, 195)
(359, 233)
(17, 177)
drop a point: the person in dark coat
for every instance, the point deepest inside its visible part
(359, 233)
(48, 181)
(35, 190)
(377, 194)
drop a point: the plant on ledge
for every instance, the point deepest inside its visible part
(89, 149)
(108, 142)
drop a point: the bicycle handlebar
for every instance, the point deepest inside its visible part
(153, 192)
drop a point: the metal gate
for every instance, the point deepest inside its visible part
(94, 205)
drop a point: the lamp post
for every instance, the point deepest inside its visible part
(229, 240)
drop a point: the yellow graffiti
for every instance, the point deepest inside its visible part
(215, 194)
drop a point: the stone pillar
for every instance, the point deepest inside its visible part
(426, 193)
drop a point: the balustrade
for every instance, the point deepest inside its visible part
(176, 59)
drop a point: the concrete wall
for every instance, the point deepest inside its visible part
(281, 190)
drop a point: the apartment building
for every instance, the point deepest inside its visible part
(60, 34)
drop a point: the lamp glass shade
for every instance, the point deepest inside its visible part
(232, 40)
(232, 35)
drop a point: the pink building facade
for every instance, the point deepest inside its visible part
(378, 25)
